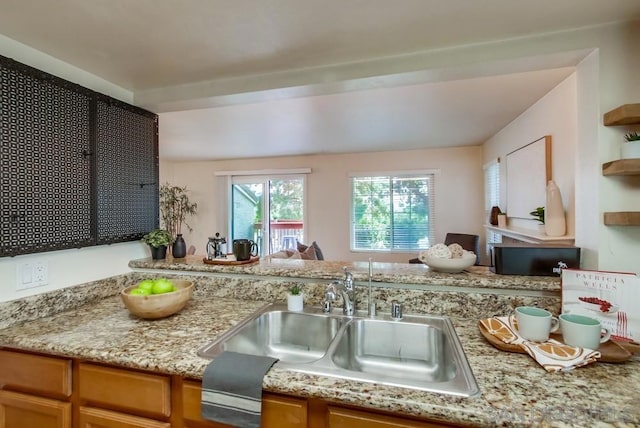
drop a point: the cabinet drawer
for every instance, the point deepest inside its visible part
(99, 418)
(35, 373)
(348, 418)
(277, 411)
(139, 393)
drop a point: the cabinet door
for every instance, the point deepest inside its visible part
(348, 418)
(98, 418)
(26, 411)
(45, 191)
(126, 172)
(277, 411)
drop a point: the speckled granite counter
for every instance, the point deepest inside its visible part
(395, 273)
(515, 390)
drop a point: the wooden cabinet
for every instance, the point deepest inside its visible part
(129, 391)
(338, 417)
(18, 410)
(628, 114)
(278, 411)
(35, 391)
(99, 418)
(38, 391)
(41, 375)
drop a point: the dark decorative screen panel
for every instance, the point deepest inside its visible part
(45, 189)
(126, 170)
(77, 168)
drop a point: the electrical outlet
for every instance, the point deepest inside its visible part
(32, 274)
(40, 274)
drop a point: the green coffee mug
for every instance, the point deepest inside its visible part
(582, 331)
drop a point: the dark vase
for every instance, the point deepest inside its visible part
(179, 249)
(493, 216)
(158, 253)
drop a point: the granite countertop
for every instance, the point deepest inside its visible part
(401, 273)
(516, 391)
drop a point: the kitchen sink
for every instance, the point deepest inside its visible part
(419, 352)
(395, 349)
(292, 337)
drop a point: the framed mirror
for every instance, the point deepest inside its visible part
(528, 171)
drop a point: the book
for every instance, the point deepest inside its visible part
(613, 298)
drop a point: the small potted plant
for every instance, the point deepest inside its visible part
(631, 147)
(295, 299)
(158, 240)
(538, 214)
(502, 220)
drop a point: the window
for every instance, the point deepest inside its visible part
(392, 212)
(492, 196)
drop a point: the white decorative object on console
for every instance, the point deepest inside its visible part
(554, 221)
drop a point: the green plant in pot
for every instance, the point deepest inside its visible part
(632, 136)
(538, 214)
(631, 148)
(175, 206)
(158, 240)
(295, 299)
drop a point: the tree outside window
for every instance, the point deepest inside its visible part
(392, 212)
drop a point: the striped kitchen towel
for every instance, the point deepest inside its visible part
(232, 388)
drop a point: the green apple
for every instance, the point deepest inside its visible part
(139, 292)
(162, 285)
(146, 284)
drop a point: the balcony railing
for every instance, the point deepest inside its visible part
(283, 233)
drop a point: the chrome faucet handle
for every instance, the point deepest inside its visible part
(396, 310)
(348, 279)
(330, 295)
(327, 306)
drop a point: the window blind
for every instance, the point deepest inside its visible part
(392, 212)
(491, 197)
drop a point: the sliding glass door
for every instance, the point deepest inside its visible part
(269, 211)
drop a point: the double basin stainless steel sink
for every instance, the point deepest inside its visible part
(419, 352)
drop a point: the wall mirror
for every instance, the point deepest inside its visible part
(528, 171)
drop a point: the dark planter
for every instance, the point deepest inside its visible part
(179, 249)
(158, 253)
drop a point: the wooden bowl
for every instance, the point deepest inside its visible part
(155, 306)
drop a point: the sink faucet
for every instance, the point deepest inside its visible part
(346, 289)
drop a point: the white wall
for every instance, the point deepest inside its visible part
(67, 267)
(607, 78)
(554, 114)
(459, 200)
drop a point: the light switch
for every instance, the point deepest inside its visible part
(26, 274)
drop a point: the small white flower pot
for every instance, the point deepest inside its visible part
(295, 303)
(630, 150)
(502, 221)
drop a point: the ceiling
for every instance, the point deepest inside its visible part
(252, 78)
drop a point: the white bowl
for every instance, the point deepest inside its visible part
(450, 265)
(155, 306)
